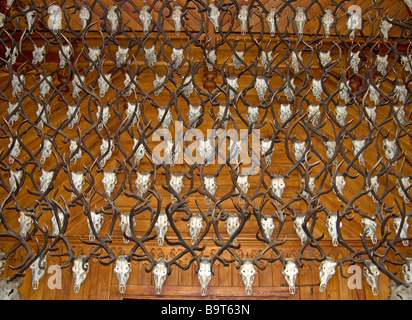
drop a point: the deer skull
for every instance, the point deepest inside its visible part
(13, 112)
(132, 112)
(140, 151)
(401, 93)
(326, 271)
(374, 187)
(265, 147)
(221, 114)
(294, 61)
(204, 274)
(25, 223)
(106, 150)
(339, 184)
(252, 114)
(38, 269)
(354, 61)
(232, 87)
(77, 83)
(142, 183)
(317, 89)
(42, 113)
(113, 17)
(277, 185)
(194, 115)
(284, 112)
(403, 234)
(159, 273)
(314, 114)
(211, 58)
(195, 225)
(104, 84)
(109, 181)
(177, 57)
(214, 16)
(384, 27)
(371, 114)
(150, 55)
(55, 222)
(15, 179)
(146, 18)
(210, 185)
(243, 183)
(232, 224)
(121, 56)
(369, 227)
(176, 182)
(122, 269)
(84, 15)
(55, 18)
(299, 148)
(261, 87)
(248, 272)
(290, 272)
(300, 20)
(97, 220)
(237, 59)
(381, 64)
(78, 181)
(125, 226)
(65, 54)
(297, 224)
(390, 148)
(158, 84)
(268, 226)
(272, 19)
(161, 111)
(332, 225)
(80, 270)
(45, 179)
(206, 150)
(94, 54)
(371, 274)
(406, 184)
(327, 21)
(399, 113)
(407, 270)
(357, 146)
(243, 17)
(17, 83)
(177, 15)
(341, 114)
(46, 151)
(14, 147)
(161, 226)
(235, 148)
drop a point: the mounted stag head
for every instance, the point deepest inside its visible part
(327, 20)
(159, 273)
(326, 271)
(161, 226)
(371, 274)
(38, 269)
(243, 17)
(272, 19)
(97, 221)
(331, 224)
(125, 226)
(122, 269)
(210, 185)
(300, 20)
(55, 18)
(204, 274)
(232, 224)
(80, 270)
(290, 272)
(248, 272)
(195, 225)
(277, 185)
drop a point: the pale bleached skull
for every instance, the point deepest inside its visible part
(109, 181)
(235, 148)
(78, 182)
(150, 55)
(84, 15)
(232, 87)
(261, 87)
(381, 64)
(369, 227)
(128, 83)
(290, 89)
(266, 59)
(325, 59)
(55, 223)
(403, 232)
(243, 17)
(9, 4)
(2, 19)
(390, 148)
(55, 18)
(65, 54)
(237, 58)
(158, 84)
(384, 27)
(211, 58)
(132, 112)
(330, 149)
(25, 222)
(374, 93)
(17, 83)
(272, 20)
(206, 150)
(297, 224)
(204, 274)
(242, 181)
(46, 151)
(317, 89)
(248, 272)
(42, 113)
(113, 17)
(401, 93)
(344, 91)
(121, 56)
(125, 226)
(407, 270)
(339, 184)
(265, 145)
(146, 18)
(38, 269)
(171, 156)
(327, 20)
(311, 185)
(314, 114)
(371, 274)
(77, 83)
(3, 261)
(295, 60)
(373, 187)
(122, 269)
(194, 115)
(399, 114)
(161, 111)
(177, 16)
(210, 185)
(268, 225)
(97, 220)
(357, 146)
(15, 179)
(332, 225)
(44, 85)
(106, 150)
(224, 114)
(176, 182)
(187, 85)
(195, 225)
(102, 115)
(290, 272)
(159, 273)
(299, 148)
(232, 224)
(341, 113)
(12, 54)
(140, 151)
(252, 114)
(142, 182)
(161, 226)
(277, 185)
(300, 20)
(45, 179)
(370, 115)
(406, 62)
(80, 270)
(75, 150)
(354, 61)
(214, 16)
(326, 271)
(406, 184)
(104, 83)
(177, 57)
(13, 112)
(15, 149)
(284, 112)
(354, 22)
(94, 54)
